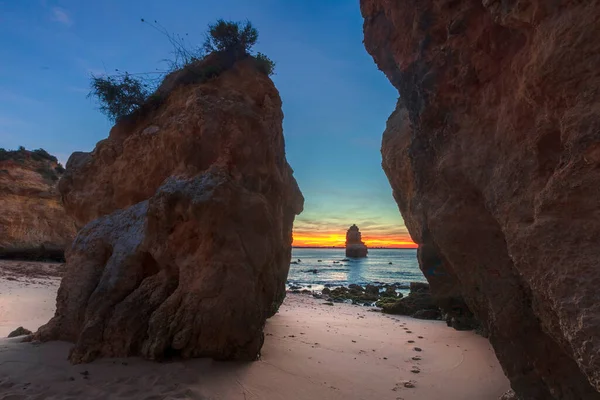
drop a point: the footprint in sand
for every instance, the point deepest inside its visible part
(416, 358)
(417, 349)
(415, 370)
(404, 384)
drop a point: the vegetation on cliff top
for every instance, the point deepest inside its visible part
(226, 42)
(41, 157)
(21, 155)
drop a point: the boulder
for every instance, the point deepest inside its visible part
(419, 287)
(20, 331)
(372, 289)
(390, 291)
(186, 233)
(418, 299)
(493, 155)
(33, 222)
(427, 314)
(409, 305)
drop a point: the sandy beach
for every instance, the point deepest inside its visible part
(311, 351)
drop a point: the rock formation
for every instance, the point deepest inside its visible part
(354, 244)
(493, 154)
(187, 213)
(33, 222)
(418, 304)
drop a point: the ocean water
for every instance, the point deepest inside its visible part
(375, 268)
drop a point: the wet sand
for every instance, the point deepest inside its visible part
(311, 351)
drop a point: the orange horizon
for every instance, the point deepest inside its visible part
(339, 240)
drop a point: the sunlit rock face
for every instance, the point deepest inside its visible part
(187, 215)
(493, 154)
(33, 222)
(354, 244)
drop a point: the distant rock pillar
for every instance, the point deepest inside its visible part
(354, 244)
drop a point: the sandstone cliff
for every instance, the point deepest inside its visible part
(493, 154)
(33, 222)
(187, 214)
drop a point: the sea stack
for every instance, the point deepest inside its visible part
(33, 222)
(493, 154)
(186, 212)
(354, 244)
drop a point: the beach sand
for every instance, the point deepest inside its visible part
(311, 351)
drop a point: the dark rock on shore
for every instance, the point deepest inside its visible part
(418, 300)
(372, 290)
(20, 331)
(357, 294)
(427, 314)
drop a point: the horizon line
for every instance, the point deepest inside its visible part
(343, 247)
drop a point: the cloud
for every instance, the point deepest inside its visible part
(61, 15)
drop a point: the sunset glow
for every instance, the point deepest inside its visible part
(337, 239)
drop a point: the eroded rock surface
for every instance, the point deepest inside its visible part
(493, 153)
(187, 217)
(33, 222)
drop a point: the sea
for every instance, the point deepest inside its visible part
(313, 269)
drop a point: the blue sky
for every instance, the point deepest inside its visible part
(335, 100)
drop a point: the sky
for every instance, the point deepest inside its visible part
(335, 100)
